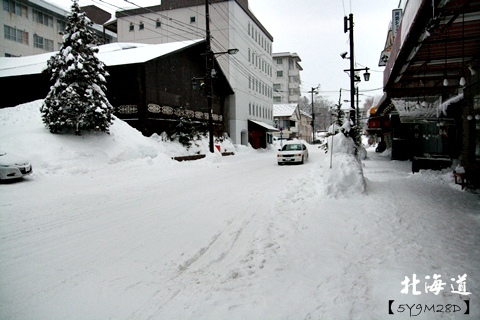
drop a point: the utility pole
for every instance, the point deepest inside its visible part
(348, 26)
(313, 112)
(208, 77)
(358, 109)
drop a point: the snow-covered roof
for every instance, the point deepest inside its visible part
(284, 110)
(111, 54)
(444, 105)
(265, 125)
(415, 109)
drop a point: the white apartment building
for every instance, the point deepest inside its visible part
(35, 26)
(286, 78)
(232, 26)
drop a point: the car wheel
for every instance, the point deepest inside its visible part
(301, 162)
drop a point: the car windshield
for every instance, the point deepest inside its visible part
(290, 147)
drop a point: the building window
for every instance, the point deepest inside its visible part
(131, 27)
(279, 74)
(193, 19)
(43, 18)
(42, 43)
(158, 23)
(61, 25)
(277, 99)
(277, 87)
(279, 60)
(250, 109)
(15, 34)
(14, 7)
(141, 26)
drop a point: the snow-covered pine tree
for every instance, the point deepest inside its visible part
(185, 130)
(77, 98)
(338, 118)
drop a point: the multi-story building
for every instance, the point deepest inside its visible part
(34, 27)
(232, 26)
(286, 78)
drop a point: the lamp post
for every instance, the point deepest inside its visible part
(209, 54)
(357, 117)
(348, 26)
(314, 90)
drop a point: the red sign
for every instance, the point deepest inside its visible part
(374, 123)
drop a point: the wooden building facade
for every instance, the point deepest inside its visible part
(150, 86)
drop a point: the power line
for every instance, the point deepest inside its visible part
(183, 38)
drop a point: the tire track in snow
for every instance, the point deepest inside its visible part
(227, 256)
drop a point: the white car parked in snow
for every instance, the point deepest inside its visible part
(13, 167)
(291, 152)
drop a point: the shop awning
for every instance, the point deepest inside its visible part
(265, 125)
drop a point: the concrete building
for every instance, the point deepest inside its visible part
(35, 27)
(232, 25)
(286, 78)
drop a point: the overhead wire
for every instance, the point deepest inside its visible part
(181, 36)
(198, 32)
(241, 67)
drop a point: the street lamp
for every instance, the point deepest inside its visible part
(314, 90)
(348, 26)
(207, 84)
(209, 54)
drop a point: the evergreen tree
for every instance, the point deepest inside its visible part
(338, 115)
(338, 119)
(185, 130)
(77, 98)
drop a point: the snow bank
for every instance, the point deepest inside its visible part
(60, 152)
(341, 171)
(125, 146)
(338, 174)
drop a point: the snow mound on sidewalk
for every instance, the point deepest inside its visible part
(60, 152)
(341, 171)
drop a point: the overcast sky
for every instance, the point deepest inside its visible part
(314, 30)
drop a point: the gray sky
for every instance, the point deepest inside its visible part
(314, 30)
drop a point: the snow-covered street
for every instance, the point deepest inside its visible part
(108, 227)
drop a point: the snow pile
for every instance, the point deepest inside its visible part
(341, 171)
(124, 145)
